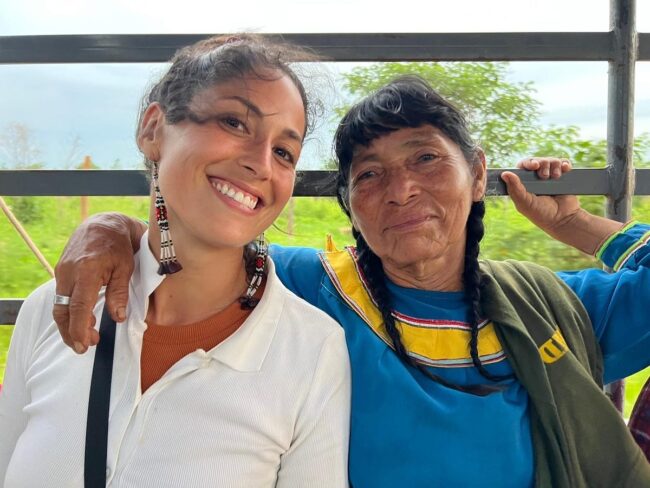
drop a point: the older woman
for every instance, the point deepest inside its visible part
(464, 372)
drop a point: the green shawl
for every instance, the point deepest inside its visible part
(580, 440)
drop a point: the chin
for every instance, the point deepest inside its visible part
(219, 239)
(405, 254)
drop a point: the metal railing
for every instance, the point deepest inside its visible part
(621, 47)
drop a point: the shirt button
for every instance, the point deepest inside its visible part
(108, 472)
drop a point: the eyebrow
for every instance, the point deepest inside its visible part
(421, 140)
(258, 112)
(364, 159)
(416, 141)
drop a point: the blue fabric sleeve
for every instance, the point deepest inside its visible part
(299, 268)
(616, 301)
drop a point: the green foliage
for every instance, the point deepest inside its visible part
(566, 142)
(503, 114)
(26, 209)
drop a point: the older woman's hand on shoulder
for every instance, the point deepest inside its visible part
(99, 253)
(560, 216)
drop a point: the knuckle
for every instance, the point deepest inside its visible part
(79, 307)
(60, 316)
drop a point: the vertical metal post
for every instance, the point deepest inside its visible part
(620, 109)
(620, 126)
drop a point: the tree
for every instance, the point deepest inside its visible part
(503, 115)
(584, 153)
(19, 151)
(17, 148)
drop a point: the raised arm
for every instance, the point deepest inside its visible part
(615, 302)
(99, 253)
(559, 216)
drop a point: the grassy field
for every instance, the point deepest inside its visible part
(306, 222)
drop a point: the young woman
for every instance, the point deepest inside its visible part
(221, 377)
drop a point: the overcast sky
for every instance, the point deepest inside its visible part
(96, 104)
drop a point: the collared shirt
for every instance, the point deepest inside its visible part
(269, 406)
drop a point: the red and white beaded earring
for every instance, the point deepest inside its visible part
(168, 262)
(248, 301)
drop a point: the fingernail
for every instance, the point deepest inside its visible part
(121, 314)
(79, 347)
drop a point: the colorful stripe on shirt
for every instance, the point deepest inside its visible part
(441, 343)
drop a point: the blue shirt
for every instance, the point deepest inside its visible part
(407, 430)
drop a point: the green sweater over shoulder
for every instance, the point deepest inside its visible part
(579, 438)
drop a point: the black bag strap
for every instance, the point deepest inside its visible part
(98, 406)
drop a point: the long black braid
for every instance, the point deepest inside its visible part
(472, 284)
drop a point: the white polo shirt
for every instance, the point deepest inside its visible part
(268, 407)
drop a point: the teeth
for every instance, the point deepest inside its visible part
(238, 196)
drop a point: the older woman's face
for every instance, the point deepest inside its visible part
(410, 195)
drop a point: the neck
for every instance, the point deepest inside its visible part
(442, 273)
(211, 279)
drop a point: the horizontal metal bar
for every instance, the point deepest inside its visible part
(9, 310)
(644, 47)
(577, 182)
(308, 183)
(497, 46)
(121, 183)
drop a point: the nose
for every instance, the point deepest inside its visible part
(399, 188)
(258, 160)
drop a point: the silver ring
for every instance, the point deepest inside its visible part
(61, 300)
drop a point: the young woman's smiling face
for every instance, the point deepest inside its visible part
(227, 171)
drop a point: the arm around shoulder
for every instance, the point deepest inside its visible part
(300, 270)
(100, 252)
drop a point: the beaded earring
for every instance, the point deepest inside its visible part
(168, 262)
(248, 301)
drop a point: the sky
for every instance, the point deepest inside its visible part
(74, 110)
